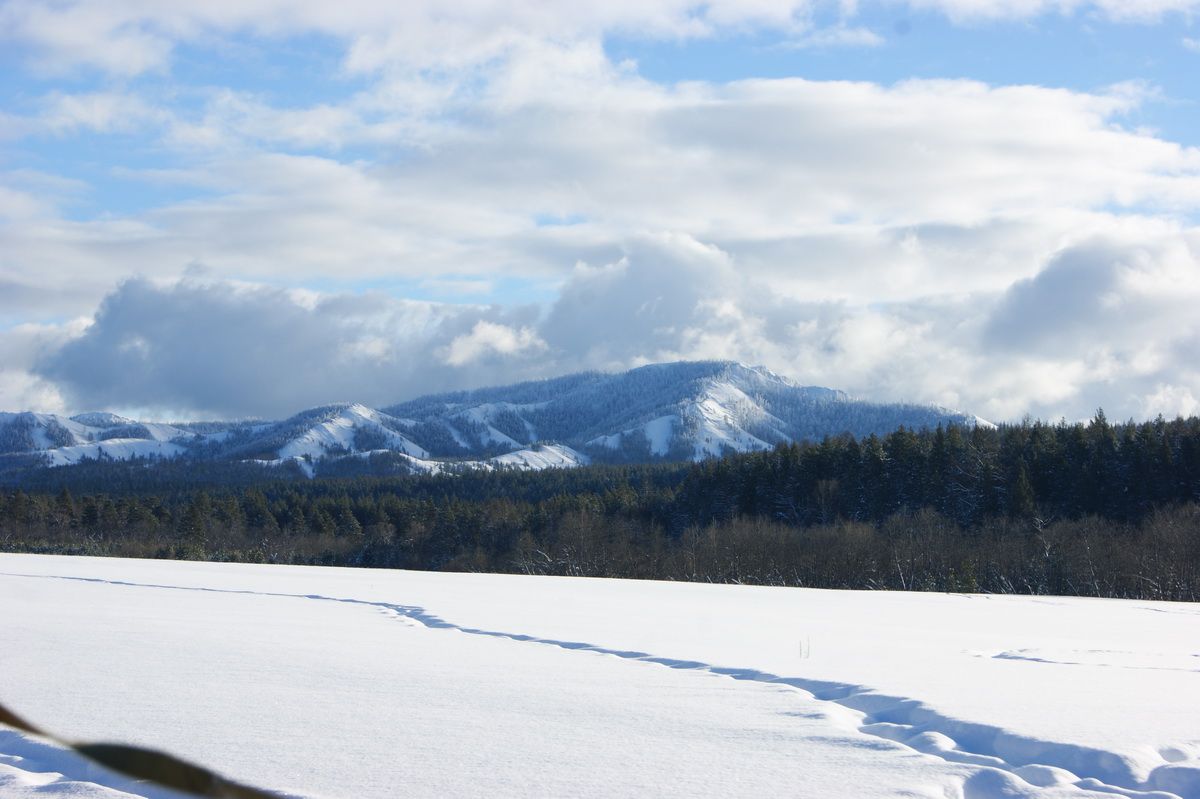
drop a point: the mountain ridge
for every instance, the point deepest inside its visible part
(679, 411)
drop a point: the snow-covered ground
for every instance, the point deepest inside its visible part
(359, 683)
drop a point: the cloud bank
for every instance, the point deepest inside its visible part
(235, 350)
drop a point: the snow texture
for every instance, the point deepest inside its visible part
(365, 683)
(32, 768)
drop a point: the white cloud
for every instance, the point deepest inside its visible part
(838, 36)
(22, 391)
(1118, 10)
(93, 34)
(835, 189)
(16, 204)
(1145, 10)
(125, 37)
(128, 37)
(203, 347)
(23, 348)
(1126, 342)
(1170, 401)
(488, 338)
(101, 112)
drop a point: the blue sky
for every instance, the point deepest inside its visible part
(884, 197)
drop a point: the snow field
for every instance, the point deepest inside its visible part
(334, 682)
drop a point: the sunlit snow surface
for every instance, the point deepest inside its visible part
(361, 683)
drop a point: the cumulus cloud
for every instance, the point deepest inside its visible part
(202, 348)
(1170, 400)
(639, 307)
(890, 189)
(195, 348)
(489, 338)
(1109, 322)
(1103, 293)
(23, 349)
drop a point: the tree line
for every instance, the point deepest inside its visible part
(1091, 509)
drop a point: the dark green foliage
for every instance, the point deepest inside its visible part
(1023, 471)
(123, 431)
(437, 438)
(370, 438)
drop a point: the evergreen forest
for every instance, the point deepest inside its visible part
(1088, 509)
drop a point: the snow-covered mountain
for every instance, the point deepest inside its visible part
(676, 412)
(64, 440)
(673, 411)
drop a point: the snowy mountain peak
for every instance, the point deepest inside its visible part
(336, 430)
(670, 411)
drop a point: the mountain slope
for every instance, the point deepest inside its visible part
(30, 432)
(327, 431)
(675, 412)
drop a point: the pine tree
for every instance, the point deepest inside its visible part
(1021, 500)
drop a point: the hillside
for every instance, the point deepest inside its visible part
(685, 411)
